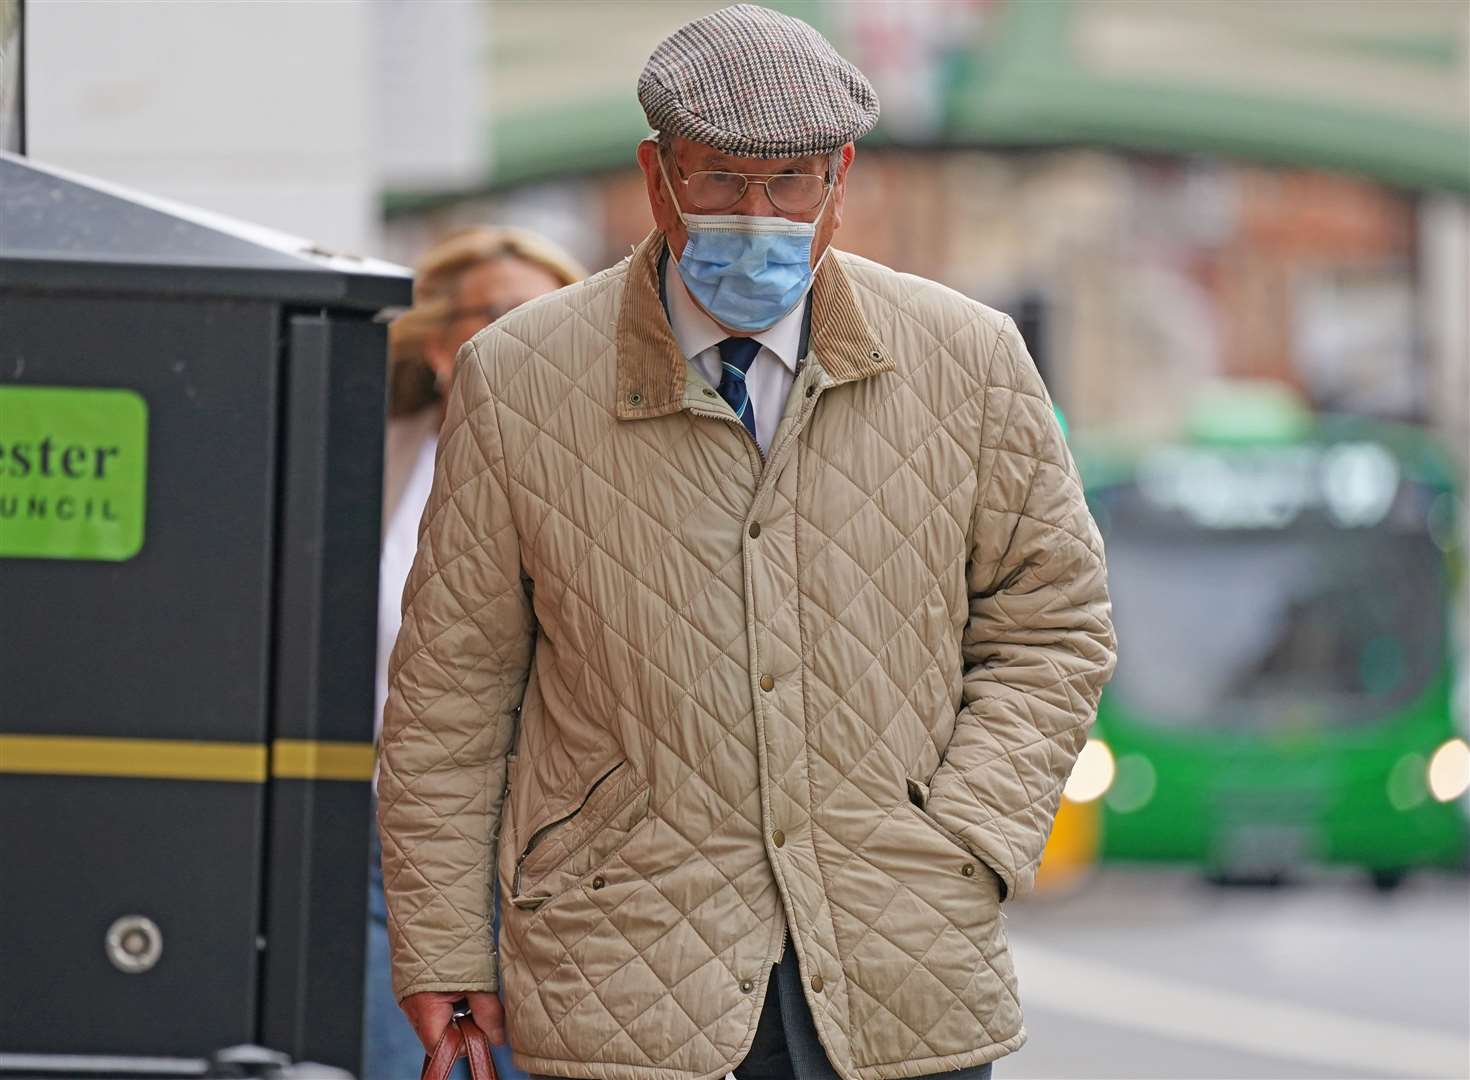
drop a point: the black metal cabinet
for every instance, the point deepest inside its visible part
(185, 728)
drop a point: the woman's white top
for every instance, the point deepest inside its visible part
(400, 542)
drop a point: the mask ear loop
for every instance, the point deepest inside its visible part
(816, 221)
(669, 187)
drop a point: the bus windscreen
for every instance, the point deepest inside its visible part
(1299, 625)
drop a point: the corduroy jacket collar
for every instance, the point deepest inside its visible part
(652, 370)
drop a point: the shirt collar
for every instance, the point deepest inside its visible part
(695, 331)
(653, 375)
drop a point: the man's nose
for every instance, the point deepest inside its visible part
(755, 202)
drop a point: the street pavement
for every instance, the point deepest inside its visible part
(1156, 973)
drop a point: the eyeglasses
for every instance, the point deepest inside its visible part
(793, 193)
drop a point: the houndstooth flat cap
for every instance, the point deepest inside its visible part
(752, 82)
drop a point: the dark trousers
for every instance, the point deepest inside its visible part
(786, 1045)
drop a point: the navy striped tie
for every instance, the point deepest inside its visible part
(736, 356)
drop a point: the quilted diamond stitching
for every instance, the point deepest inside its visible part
(586, 586)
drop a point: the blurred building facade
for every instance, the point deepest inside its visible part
(1145, 276)
(1162, 193)
(1142, 263)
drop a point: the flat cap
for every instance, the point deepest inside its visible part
(752, 82)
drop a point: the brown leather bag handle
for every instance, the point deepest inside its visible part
(461, 1038)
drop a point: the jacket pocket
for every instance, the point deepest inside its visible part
(919, 798)
(561, 850)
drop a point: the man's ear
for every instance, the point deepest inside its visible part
(839, 184)
(849, 151)
(658, 195)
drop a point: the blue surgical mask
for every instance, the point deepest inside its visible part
(748, 272)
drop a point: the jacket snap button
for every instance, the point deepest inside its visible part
(599, 881)
(635, 398)
(968, 869)
(767, 683)
(755, 529)
(746, 986)
(778, 838)
(876, 355)
(817, 983)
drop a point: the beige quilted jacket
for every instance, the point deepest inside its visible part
(683, 698)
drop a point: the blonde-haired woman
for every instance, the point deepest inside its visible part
(461, 285)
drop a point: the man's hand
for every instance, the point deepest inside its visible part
(430, 1011)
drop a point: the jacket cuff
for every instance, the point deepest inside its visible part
(490, 986)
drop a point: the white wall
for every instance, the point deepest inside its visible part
(265, 111)
(431, 76)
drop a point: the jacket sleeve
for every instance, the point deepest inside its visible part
(455, 680)
(1039, 643)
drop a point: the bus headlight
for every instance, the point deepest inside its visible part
(1448, 773)
(1092, 774)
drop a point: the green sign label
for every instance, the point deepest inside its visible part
(73, 472)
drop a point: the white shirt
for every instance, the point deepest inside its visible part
(771, 373)
(400, 543)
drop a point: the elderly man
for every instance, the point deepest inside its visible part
(756, 623)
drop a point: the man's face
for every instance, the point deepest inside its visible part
(485, 292)
(689, 158)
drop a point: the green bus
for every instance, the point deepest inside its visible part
(1287, 693)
